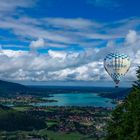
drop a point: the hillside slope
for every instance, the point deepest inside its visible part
(9, 88)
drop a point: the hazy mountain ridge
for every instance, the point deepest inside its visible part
(12, 89)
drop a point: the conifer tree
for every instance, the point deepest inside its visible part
(125, 119)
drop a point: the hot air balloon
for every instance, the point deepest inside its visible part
(117, 65)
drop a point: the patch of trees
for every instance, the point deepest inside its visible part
(125, 119)
(13, 120)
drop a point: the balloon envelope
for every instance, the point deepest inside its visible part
(117, 65)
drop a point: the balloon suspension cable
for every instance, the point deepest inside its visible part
(117, 84)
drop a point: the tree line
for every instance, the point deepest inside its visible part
(125, 119)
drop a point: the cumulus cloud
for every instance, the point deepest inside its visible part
(86, 65)
(23, 65)
(131, 37)
(57, 55)
(37, 44)
(86, 72)
(95, 38)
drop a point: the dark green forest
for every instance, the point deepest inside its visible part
(12, 120)
(125, 119)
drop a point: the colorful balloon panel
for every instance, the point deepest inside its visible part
(116, 65)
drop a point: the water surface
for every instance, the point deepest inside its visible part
(77, 99)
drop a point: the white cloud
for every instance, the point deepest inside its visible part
(86, 65)
(131, 37)
(110, 44)
(57, 55)
(68, 32)
(11, 7)
(86, 72)
(63, 32)
(37, 44)
(61, 65)
(69, 23)
(12, 54)
(23, 65)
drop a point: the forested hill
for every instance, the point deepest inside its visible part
(114, 93)
(12, 89)
(12, 120)
(9, 88)
(124, 123)
(4, 108)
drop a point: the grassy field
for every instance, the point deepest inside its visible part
(22, 135)
(62, 136)
(21, 108)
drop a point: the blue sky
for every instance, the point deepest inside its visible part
(101, 10)
(63, 41)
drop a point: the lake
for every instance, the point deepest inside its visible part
(77, 99)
